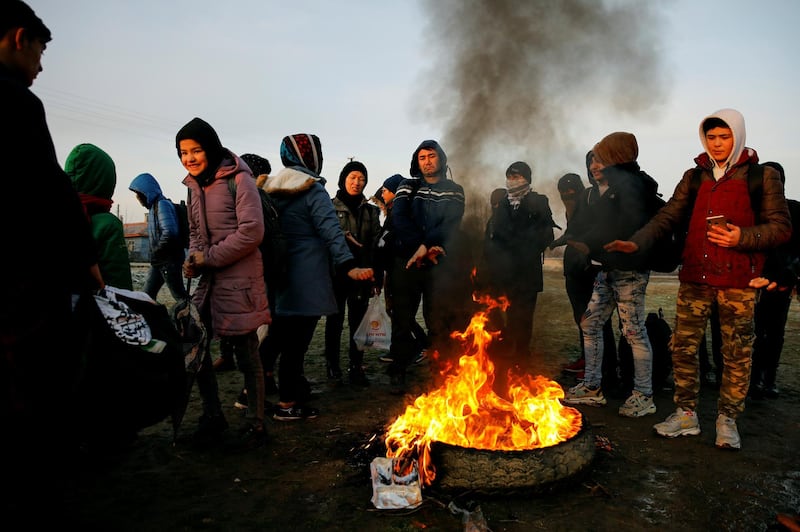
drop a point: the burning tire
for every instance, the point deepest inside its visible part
(503, 471)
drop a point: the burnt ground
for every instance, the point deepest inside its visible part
(314, 474)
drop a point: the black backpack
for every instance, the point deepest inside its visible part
(665, 254)
(659, 333)
(182, 215)
(273, 245)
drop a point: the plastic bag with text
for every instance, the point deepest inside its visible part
(390, 492)
(375, 329)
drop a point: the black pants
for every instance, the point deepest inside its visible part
(444, 297)
(350, 296)
(290, 337)
(770, 317)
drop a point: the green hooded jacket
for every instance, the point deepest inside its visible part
(94, 177)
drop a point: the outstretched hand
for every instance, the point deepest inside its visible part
(361, 274)
(622, 246)
(763, 282)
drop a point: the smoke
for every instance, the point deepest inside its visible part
(515, 80)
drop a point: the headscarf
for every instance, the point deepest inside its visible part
(302, 149)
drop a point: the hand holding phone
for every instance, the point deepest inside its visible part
(718, 220)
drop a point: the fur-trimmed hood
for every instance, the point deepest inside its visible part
(291, 181)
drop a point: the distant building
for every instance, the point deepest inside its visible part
(137, 240)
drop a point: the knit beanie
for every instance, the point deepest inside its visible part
(352, 166)
(201, 132)
(570, 182)
(428, 145)
(302, 149)
(617, 148)
(258, 165)
(392, 183)
(520, 168)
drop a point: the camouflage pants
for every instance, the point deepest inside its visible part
(736, 307)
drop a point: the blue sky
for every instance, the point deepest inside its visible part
(127, 75)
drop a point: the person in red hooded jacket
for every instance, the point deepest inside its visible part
(719, 262)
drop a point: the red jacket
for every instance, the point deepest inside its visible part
(707, 263)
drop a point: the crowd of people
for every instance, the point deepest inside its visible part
(410, 246)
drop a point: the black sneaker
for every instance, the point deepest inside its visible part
(241, 401)
(294, 413)
(357, 377)
(386, 357)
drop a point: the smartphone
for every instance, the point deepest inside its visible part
(719, 220)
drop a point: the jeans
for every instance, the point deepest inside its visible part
(625, 290)
(169, 272)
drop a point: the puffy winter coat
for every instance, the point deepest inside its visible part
(316, 246)
(162, 223)
(227, 231)
(707, 263)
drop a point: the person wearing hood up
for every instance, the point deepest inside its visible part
(315, 242)
(94, 177)
(224, 233)
(719, 263)
(361, 224)
(622, 279)
(427, 217)
(164, 234)
(580, 272)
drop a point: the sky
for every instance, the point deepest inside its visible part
(374, 79)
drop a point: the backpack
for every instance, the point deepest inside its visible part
(659, 333)
(666, 253)
(273, 246)
(182, 214)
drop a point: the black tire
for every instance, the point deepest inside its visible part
(459, 468)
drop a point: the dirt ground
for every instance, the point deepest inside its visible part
(314, 474)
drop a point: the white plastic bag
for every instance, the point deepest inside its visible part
(375, 329)
(390, 492)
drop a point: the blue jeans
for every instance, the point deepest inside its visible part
(169, 272)
(626, 291)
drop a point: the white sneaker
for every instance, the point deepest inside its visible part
(637, 405)
(679, 423)
(583, 395)
(727, 433)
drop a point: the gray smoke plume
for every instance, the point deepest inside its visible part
(513, 79)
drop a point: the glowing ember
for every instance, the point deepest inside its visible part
(466, 412)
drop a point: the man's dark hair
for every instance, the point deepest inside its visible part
(18, 14)
(713, 122)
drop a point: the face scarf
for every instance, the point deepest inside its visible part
(516, 193)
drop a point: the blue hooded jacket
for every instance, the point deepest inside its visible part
(162, 224)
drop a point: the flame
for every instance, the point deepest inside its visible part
(466, 412)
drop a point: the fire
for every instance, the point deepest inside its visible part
(466, 412)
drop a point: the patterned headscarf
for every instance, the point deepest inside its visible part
(302, 149)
